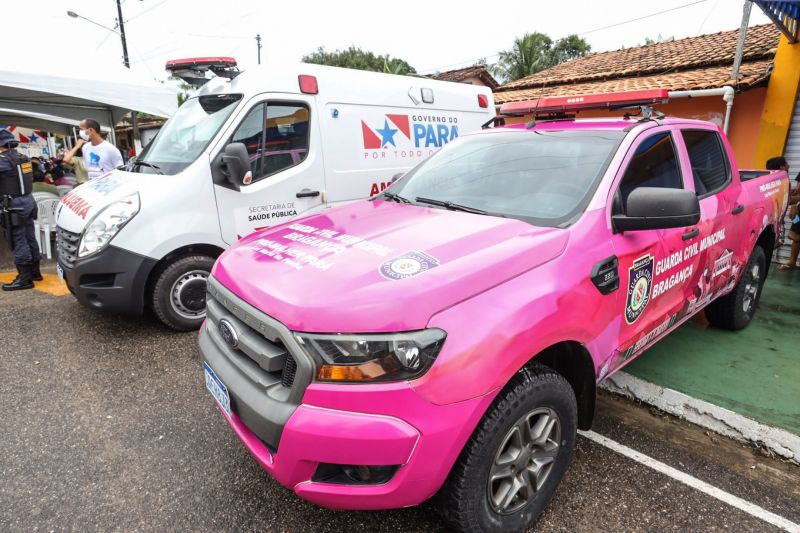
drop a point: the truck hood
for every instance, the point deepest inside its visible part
(378, 266)
(82, 203)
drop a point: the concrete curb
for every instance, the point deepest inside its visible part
(718, 419)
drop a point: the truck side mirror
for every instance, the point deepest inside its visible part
(658, 208)
(235, 163)
(397, 176)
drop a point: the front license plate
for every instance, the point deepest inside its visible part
(217, 389)
(60, 272)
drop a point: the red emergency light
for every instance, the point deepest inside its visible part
(308, 84)
(217, 61)
(565, 104)
(193, 70)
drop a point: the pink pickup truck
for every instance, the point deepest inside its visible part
(447, 336)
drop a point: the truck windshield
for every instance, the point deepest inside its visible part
(545, 178)
(186, 134)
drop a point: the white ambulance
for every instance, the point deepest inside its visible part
(270, 145)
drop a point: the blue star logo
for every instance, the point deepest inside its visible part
(387, 134)
(33, 137)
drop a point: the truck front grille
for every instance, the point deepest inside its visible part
(289, 369)
(67, 246)
(266, 344)
(258, 359)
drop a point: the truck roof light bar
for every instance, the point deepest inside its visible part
(560, 105)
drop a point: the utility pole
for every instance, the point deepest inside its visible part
(737, 59)
(258, 45)
(125, 60)
(127, 63)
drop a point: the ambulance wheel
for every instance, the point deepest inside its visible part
(510, 468)
(735, 310)
(179, 293)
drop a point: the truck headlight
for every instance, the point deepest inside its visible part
(373, 357)
(107, 223)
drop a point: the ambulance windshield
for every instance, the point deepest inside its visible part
(187, 134)
(545, 178)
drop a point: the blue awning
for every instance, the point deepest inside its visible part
(785, 15)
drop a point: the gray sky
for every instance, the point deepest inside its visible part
(429, 35)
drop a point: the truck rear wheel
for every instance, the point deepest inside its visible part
(510, 468)
(735, 310)
(179, 293)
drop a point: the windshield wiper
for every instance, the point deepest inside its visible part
(452, 206)
(395, 197)
(139, 163)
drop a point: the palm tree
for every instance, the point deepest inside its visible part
(530, 54)
(536, 51)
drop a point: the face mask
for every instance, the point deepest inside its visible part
(83, 135)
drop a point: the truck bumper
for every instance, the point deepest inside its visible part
(365, 425)
(112, 280)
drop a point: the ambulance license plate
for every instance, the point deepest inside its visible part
(217, 389)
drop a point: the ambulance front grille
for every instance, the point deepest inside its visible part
(67, 246)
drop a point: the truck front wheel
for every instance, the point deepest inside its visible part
(179, 293)
(735, 310)
(510, 468)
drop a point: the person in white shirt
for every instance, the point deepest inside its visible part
(99, 155)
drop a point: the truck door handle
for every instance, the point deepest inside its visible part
(605, 276)
(691, 234)
(305, 193)
(738, 209)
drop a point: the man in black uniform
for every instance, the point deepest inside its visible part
(16, 181)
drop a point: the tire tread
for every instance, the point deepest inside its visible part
(158, 287)
(725, 312)
(457, 507)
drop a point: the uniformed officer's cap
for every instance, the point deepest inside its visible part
(6, 137)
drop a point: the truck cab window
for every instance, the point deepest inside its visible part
(654, 164)
(276, 137)
(710, 168)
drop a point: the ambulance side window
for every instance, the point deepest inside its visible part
(286, 143)
(654, 164)
(251, 133)
(276, 136)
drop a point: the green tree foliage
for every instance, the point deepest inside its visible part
(537, 51)
(356, 58)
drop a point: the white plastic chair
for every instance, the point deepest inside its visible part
(45, 223)
(39, 196)
(63, 189)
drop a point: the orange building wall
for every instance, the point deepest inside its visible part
(745, 123)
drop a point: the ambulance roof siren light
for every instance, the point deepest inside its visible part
(194, 70)
(573, 104)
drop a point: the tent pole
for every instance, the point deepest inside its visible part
(113, 133)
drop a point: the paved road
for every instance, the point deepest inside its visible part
(107, 426)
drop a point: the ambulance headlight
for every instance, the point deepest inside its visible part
(107, 223)
(370, 358)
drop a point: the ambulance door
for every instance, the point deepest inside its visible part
(287, 176)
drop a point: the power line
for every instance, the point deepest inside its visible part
(642, 18)
(136, 16)
(580, 34)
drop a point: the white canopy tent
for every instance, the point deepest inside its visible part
(38, 121)
(75, 90)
